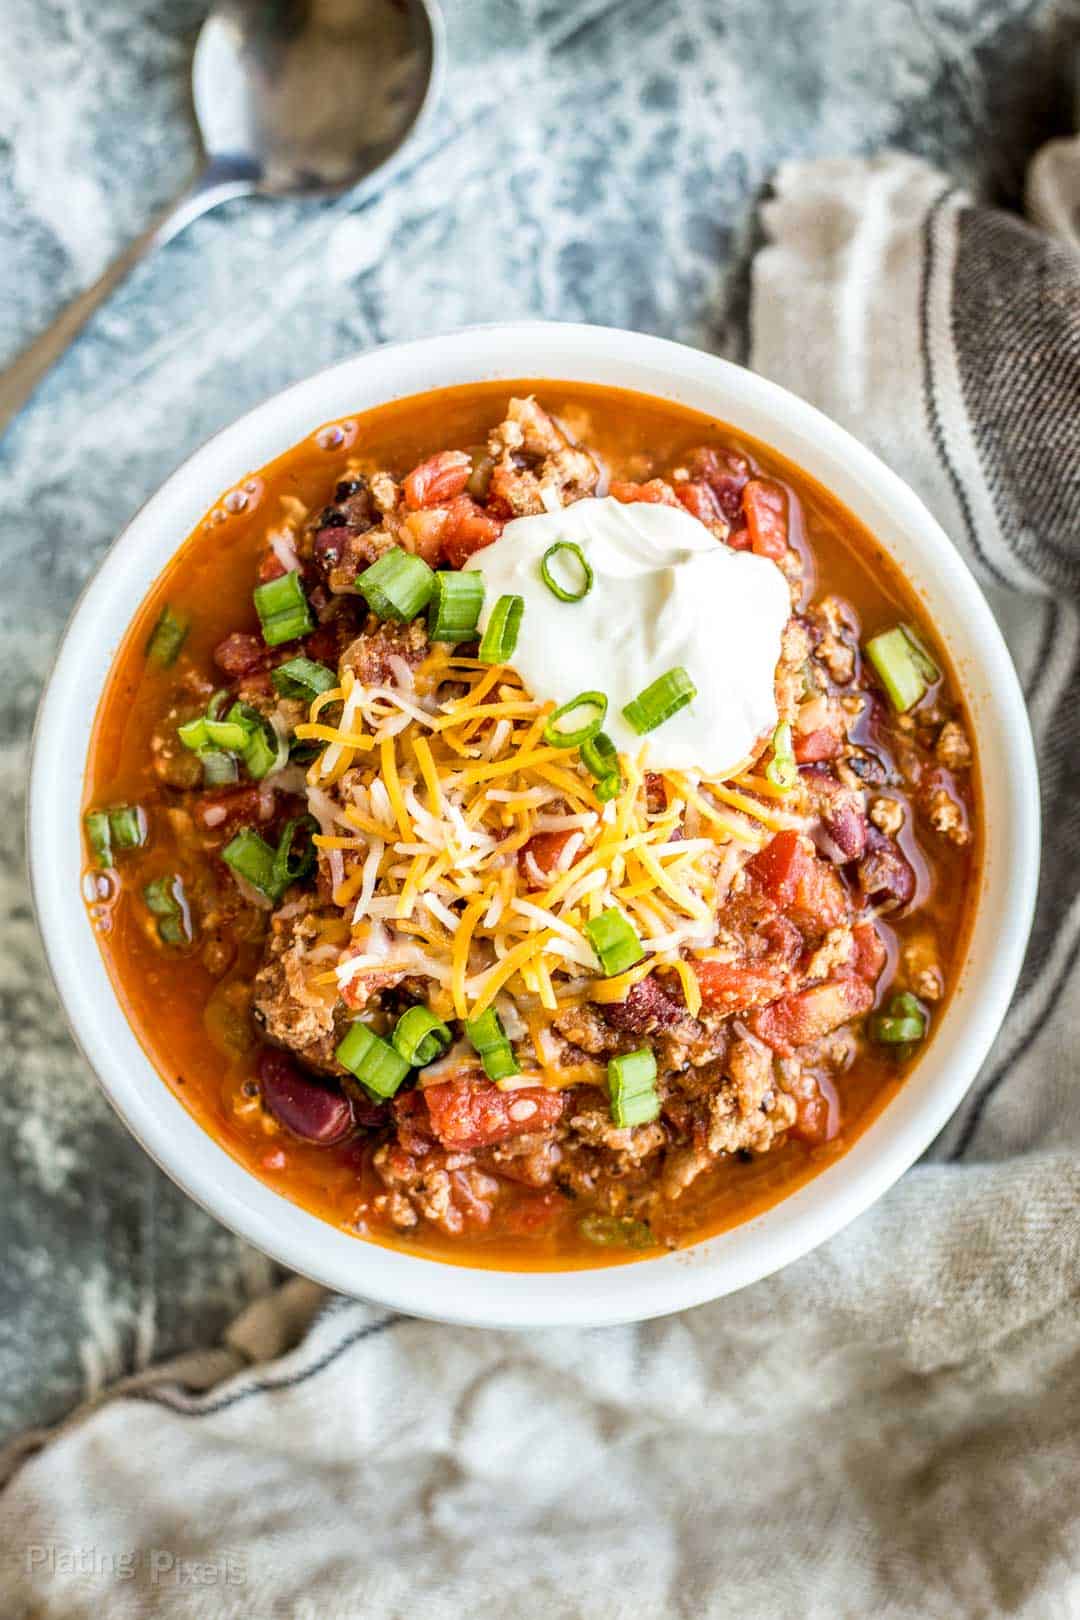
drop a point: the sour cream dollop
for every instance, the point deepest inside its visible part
(665, 593)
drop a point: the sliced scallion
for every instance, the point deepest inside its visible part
(782, 770)
(610, 1231)
(903, 666)
(193, 733)
(128, 825)
(632, 1088)
(99, 836)
(600, 756)
(614, 941)
(488, 1039)
(500, 637)
(419, 1036)
(252, 859)
(454, 608)
(302, 678)
(286, 870)
(283, 609)
(219, 769)
(609, 787)
(575, 722)
(397, 586)
(167, 637)
(374, 1062)
(903, 1023)
(164, 899)
(232, 734)
(580, 576)
(660, 700)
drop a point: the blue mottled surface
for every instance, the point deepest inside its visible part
(591, 160)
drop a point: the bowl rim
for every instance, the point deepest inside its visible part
(454, 1293)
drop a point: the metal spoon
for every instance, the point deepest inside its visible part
(292, 98)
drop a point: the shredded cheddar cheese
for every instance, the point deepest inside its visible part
(433, 810)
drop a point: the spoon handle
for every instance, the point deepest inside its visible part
(21, 378)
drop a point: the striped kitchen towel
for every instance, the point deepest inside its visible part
(890, 1427)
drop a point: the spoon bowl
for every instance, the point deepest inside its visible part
(311, 96)
(292, 98)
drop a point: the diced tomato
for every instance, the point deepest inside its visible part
(765, 505)
(732, 987)
(654, 493)
(470, 1113)
(700, 502)
(817, 1111)
(468, 528)
(815, 746)
(869, 955)
(240, 653)
(540, 857)
(788, 873)
(270, 567)
(777, 868)
(437, 480)
(423, 532)
(807, 1015)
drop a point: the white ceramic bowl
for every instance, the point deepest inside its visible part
(520, 1299)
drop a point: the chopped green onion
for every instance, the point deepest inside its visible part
(374, 1062)
(259, 757)
(302, 753)
(128, 824)
(419, 1036)
(283, 609)
(99, 836)
(164, 899)
(902, 1023)
(614, 942)
(588, 709)
(612, 1230)
(263, 750)
(488, 1039)
(302, 678)
(903, 666)
(252, 859)
(500, 638)
(193, 733)
(167, 637)
(285, 870)
(123, 827)
(398, 586)
(585, 580)
(923, 657)
(454, 609)
(632, 1088)
(270, 871)
(218, 769)
(233, 734)
(665, 697)
(600, 756)
(782, 770)
(215, 709)
(898, 1031)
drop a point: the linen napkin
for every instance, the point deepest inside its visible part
(888, 1427)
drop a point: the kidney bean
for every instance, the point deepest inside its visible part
(884, 873)
(308, 1109)
(240, 653)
